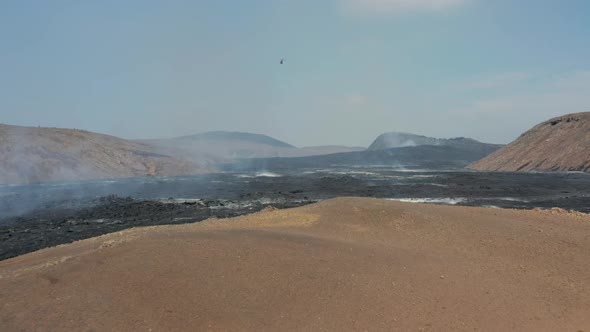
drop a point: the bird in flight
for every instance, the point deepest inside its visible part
(282, 61)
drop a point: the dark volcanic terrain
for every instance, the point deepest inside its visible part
(422, 156)
(38, 216)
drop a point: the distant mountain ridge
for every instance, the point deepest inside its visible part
(391, 148)
(237, 136)
(422, 156)
(399, 139)
(31, 154)
(558, 144)
(218, 147)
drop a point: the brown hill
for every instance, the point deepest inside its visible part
(341, 265)
(559, 144)
(30, 154)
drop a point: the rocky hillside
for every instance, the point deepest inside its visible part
(30, 154)
(397, 140)
(558, 144)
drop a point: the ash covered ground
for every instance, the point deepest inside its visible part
(33, 217)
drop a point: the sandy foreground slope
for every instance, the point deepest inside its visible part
(343, 264)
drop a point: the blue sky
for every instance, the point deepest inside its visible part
(354, 68)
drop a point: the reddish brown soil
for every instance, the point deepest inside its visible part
(343, 264)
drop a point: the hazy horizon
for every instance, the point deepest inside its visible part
(354, 69)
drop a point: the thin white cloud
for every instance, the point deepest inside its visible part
(501, 80)
(399, 6)
(355, 99)
(574, 82)
(551, 103)
(569, 93)
(346, 103)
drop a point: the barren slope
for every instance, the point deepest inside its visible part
(559, 144)
(344, 264)
(29, 154)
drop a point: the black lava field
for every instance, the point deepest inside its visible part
(37, 216)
